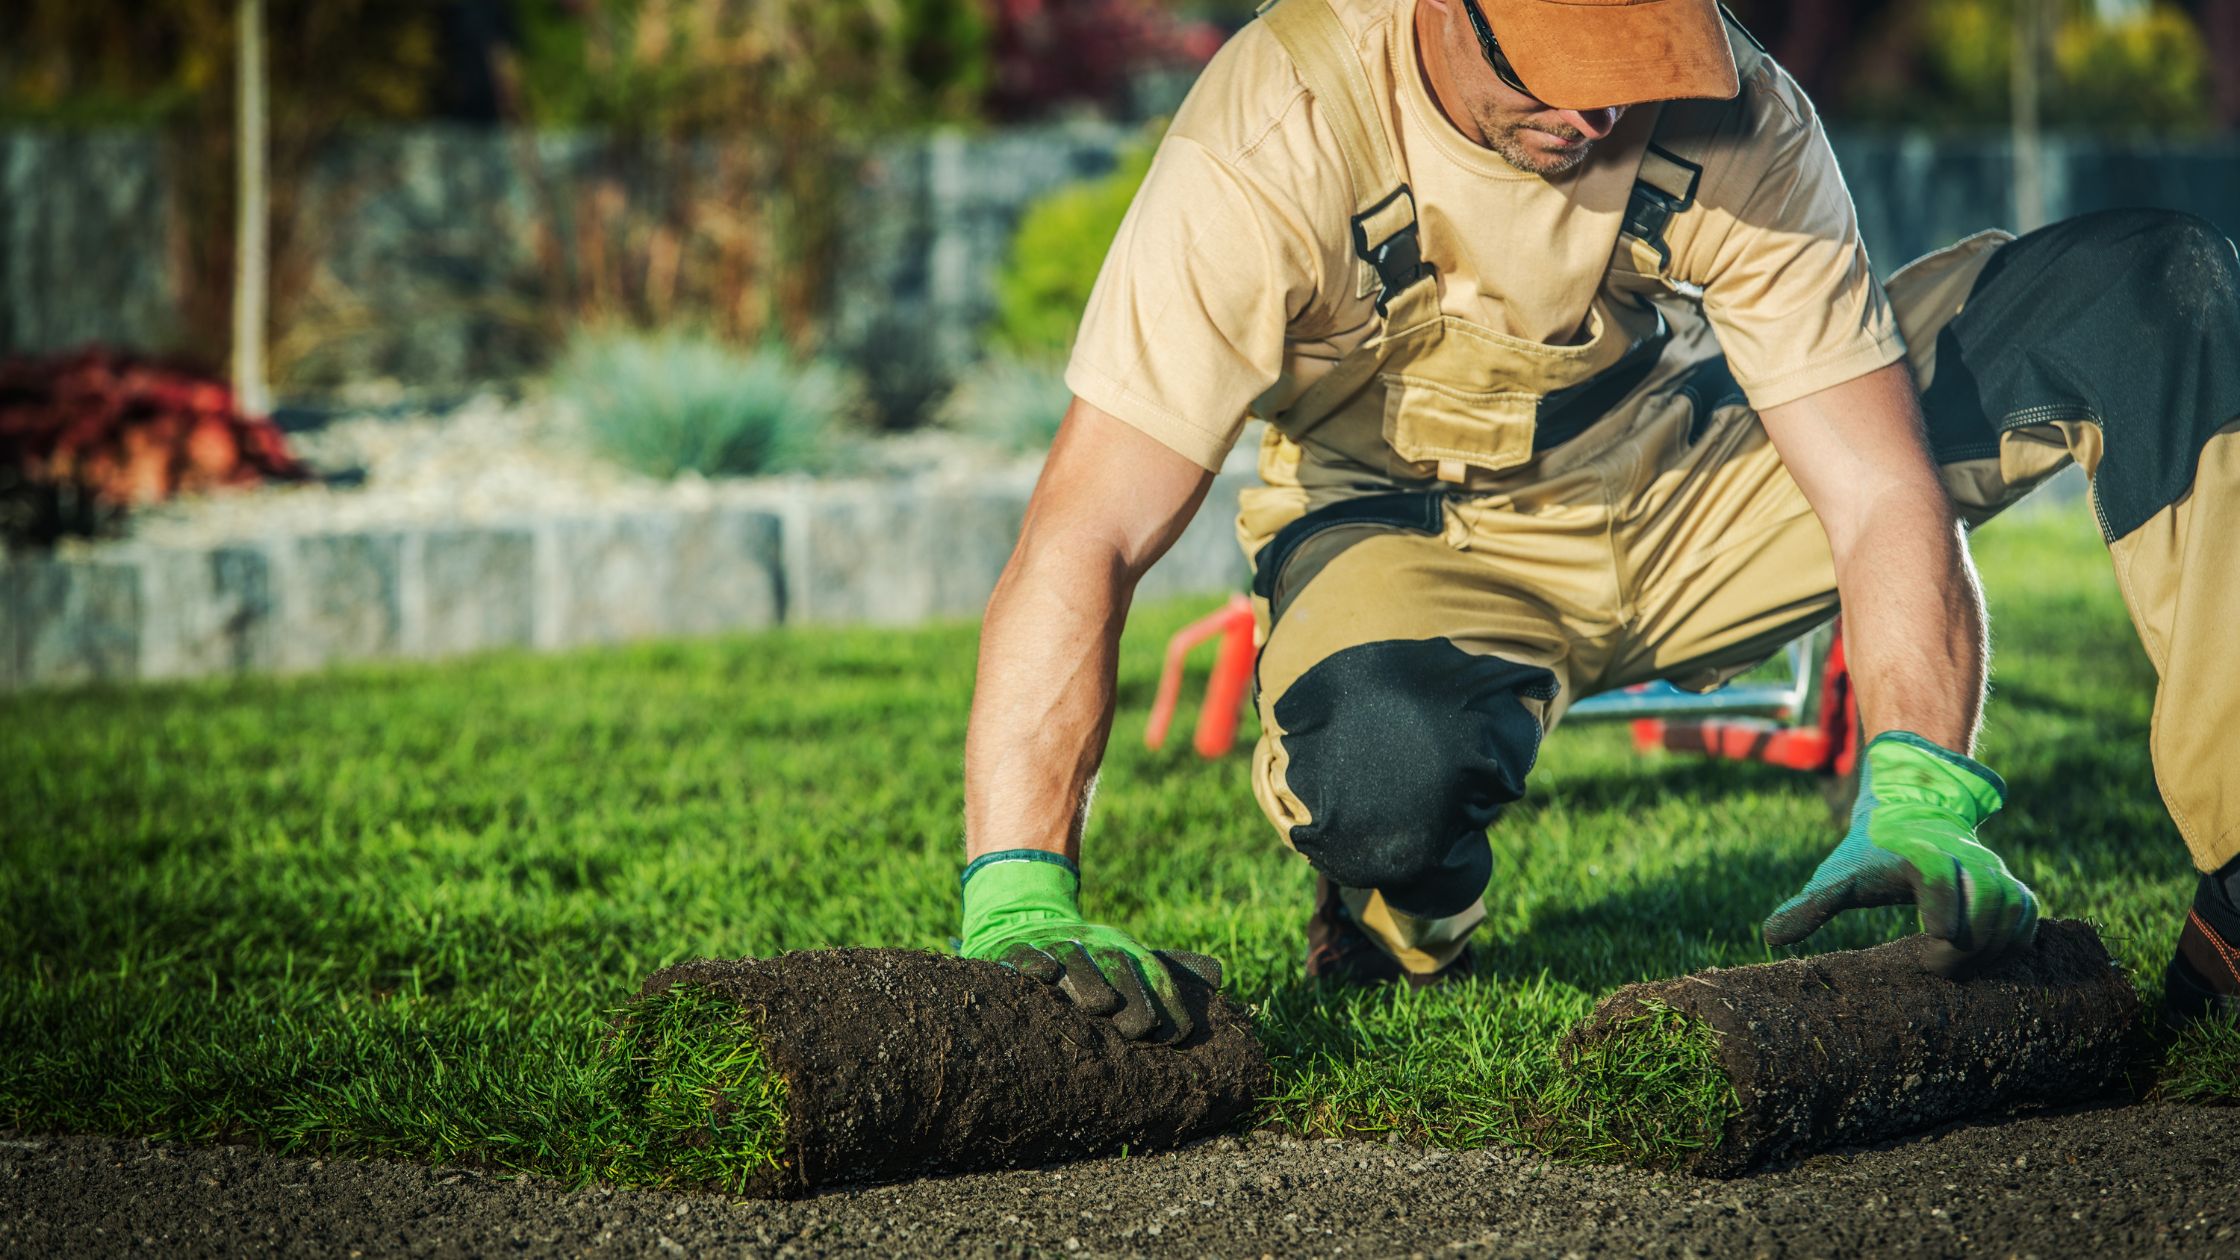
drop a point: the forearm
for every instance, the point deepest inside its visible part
(1042, 705)
(1913, 637)
(1913, 621)
(1912, 611)
(1110, 501)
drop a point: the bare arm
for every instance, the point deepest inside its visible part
(1109, 503)
(1913, 632)
(1912, 610)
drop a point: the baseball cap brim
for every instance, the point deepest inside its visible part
(1588, 54)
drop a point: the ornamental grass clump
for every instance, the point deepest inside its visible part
(1013, 401)
(667, 403)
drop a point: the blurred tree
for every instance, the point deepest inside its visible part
(682, 67)
(110, 61)
(2123, 67)
(172, 63)
(2147, 71)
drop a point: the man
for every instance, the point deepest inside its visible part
(1577, 377)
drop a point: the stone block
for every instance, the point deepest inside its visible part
(74, 621)
(207, 612)
(970, 536)
(341, 598)
(614, 575)
(728, 574)
(897, 555)
(477, 590)
(852, 566)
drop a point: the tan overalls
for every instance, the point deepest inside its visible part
(1662, 539)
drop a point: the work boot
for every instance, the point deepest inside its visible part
(2203, 978)
(1339, 951)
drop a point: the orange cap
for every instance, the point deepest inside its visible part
(1587, 54)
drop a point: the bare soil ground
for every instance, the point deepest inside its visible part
(2108, 1182)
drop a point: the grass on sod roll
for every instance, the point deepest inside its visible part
(391, 910)
(689, 1068)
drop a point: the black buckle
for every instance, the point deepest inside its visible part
(1398, 259)
(1649, 209)
(1648, 212)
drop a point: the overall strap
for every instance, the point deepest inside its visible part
(1384, 225)
(1665, 186)
(1667, 182)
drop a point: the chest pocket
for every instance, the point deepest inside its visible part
(1454, 428)
(1469, 397)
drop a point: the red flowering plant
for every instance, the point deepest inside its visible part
(88, 435)
(1053, 52)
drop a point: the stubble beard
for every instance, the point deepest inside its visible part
(1506, 139)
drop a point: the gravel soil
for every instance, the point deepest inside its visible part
(2129, 1181)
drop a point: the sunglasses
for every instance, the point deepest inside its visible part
(1494, 56)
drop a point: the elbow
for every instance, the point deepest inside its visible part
(1901, 517)
(1057, 557)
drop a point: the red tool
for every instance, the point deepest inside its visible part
(1225, 691)
(1827, 744)
(1793, 725)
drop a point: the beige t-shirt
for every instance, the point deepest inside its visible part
(1233, 284)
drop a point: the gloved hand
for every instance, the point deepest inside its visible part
(1912, 839)
(1021, 909)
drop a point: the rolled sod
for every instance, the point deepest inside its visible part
(777, 1076)
(1848, 1048)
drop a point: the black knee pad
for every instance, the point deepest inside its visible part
(2129, 319)
(1403, 753)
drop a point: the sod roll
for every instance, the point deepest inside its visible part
(890, 1063)
(1854, 1047)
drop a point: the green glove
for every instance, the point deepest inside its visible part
(1021, 909)
(1913, 839)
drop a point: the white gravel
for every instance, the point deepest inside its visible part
(494, 460)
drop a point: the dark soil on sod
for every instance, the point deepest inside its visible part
(2130, 1181)
(898, 1061)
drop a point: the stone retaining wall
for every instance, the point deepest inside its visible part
(868, 554)
(845, 554)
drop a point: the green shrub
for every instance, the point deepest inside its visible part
(669, 402)
(1014, 401)
(1055, 256)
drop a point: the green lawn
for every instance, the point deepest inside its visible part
(390, 910)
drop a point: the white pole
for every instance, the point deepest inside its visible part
(251, 229)
(2028, 91)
